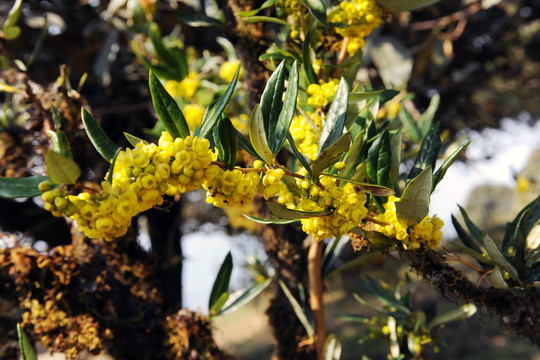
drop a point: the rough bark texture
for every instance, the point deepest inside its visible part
(518, 313)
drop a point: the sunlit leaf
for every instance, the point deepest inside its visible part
(61, 139)
(243, 296)
(21, 187)
(332, 348)
(198, 20)
(221, 283)
(271, 100)
(352, 157)
(331, 154)
(298, 154)
(414, 204)
(10, 29)
(270, 19)
(426, 119)
(27, 351)
(257, 136)
(167, 110)
(133, 140)
(336, 117)
(429, 151)
(61, 169)
(271, 221)
(463, 312)
(104, 146)
(279, 133)
(495, 253)
(226, 142)
(318, 9)
(410, 125)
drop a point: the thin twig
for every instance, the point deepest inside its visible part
(316, 295)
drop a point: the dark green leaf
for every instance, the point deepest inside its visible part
(242, 297)
(410, 125)
(285, 213)
(336, 117)
(306, 56)
(27, 351)
(464, 236)
(271, 221)
(414, 203)
(162, 72)
(221, 283)
(167, 110)
(379, 160)
(439, 174)
(198, 20)
(332, 253)
(257, 136)
(298, 154)
(271, 100)
(279, 133)
(331, 154)
(388, 94)
(318, 10)
(246, 145)
(218, 305)
(471, 226)
(21, 187)
(212, 115)
(226, 142)
(426, 120)
(264, 5)
(104, 146)
(429, 151)
(133, 140)
(61, 169)
(495, 253)
(298, 310)
(181, 62)
(395, 157)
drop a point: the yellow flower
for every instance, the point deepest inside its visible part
(194, 114)
(228, 69)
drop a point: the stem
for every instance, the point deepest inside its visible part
(316, 295)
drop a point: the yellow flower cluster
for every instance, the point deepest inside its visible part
(346, 203)
(229, 187)
(362, 17)
(323, 93)
(228, 69)
(185, 88)
(75, 333)
(295, 9)
(194, 114)
(426, 234)
(141, 176)
(306, 134)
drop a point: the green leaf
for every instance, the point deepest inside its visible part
(163, 72)
(10, 29)
(61, 139)
(133, 140)
(221, 283)
(21, 187)
(285, 213)
(410, 125)
(406, 5)
(264, 5)
(270, 19)
(352, 158)
(332, 348)
(27, 351)
(439, 174)
(243, 296)
(306, 55)
(278, 134)
(496, 255)
(332, 253)
(298, 154)
(62, 170)
(198, 20)
(218, 305)
(497, 279)
(429, 151)
(469, 243)
(246, 145)
(111, 167)
(461, 313)
(104, 146)
(161, 51)
(426, 119)
(212, 115)
(271, 221)
(331, 154)
(257, 136)
(395, 155)
(167, 110)
(271, 100)
(379, 161)
(336, 117)
(298, 310)
(226, 141)
(471, 226)
(414, 203)
(377, 190)
(318, 10)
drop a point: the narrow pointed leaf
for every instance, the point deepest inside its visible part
(285, 213)
(21, 187)
(271, 99)
(271, 221)
(133, 140)
(298, 154)
(279, 133)
(495, 253)
(61, 139)
(332, 253)
(211, 116)
(264, 5)
(426, 120)
(395, 155)
(463, 312)
(257, 136)
(471, 226)
(104, 146)
(167, 110)
(218, 305)
(242, 297)
(160, 49)
(221, 283)
(9, 28)
(27, 351)
(318, 10)
(410, 125)
(246, 145)
(464, 236)
(439, 174)
(429, 151)
(226, 142)
(336, 117)
(61, 169)
(331, 154)
(414, 204)
(352, 158)
(298, 310)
